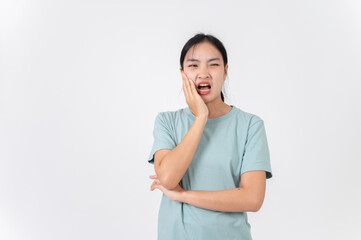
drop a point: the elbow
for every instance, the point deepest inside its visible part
(165, 179)
(257, 205)
(168, 183)
(256, 208)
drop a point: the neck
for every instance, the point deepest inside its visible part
(217, 108)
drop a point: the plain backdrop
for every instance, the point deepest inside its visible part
(82, 81)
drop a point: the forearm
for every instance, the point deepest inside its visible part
(230, 200)
(174, 165)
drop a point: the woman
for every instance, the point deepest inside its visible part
(211, 159)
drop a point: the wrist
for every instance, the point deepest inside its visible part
(184, 196)
(202, 118)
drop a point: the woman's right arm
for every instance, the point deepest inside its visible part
(171, 165)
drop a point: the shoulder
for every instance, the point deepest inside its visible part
(172, 114)
(171, 117)
(247, 118)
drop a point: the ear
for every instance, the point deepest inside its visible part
(226, 71)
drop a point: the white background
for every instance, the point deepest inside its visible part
(82, 81)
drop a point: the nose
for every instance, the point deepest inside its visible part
(203, 73)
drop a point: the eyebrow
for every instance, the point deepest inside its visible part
(196, 60)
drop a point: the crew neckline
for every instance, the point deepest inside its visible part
(213, 120)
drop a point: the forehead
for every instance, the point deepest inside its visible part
(203, 51)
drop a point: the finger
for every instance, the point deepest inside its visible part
(153, 186)
(188, 87)
(185, 88)
(193, 87)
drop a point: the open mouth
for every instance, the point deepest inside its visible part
(204, 87)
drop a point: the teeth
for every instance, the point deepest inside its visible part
(204, 85)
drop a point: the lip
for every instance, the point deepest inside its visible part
(204, 92)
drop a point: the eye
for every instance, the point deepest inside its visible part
(192, 65)
(215, 64)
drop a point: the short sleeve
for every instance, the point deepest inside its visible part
(256, 155)
(162, 134)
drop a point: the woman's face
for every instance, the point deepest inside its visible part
(204, 62)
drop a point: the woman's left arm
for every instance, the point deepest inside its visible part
(248, 198)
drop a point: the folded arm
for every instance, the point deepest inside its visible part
(248, 198)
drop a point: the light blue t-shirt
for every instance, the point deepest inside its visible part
(230, 145)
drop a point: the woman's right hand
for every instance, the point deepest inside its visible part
(193, 99)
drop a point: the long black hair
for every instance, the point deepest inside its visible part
(199, 38)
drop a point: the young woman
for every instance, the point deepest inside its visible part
(211, 159)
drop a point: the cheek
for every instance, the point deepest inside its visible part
(218, 86)
(219, 82)
(190, 75)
